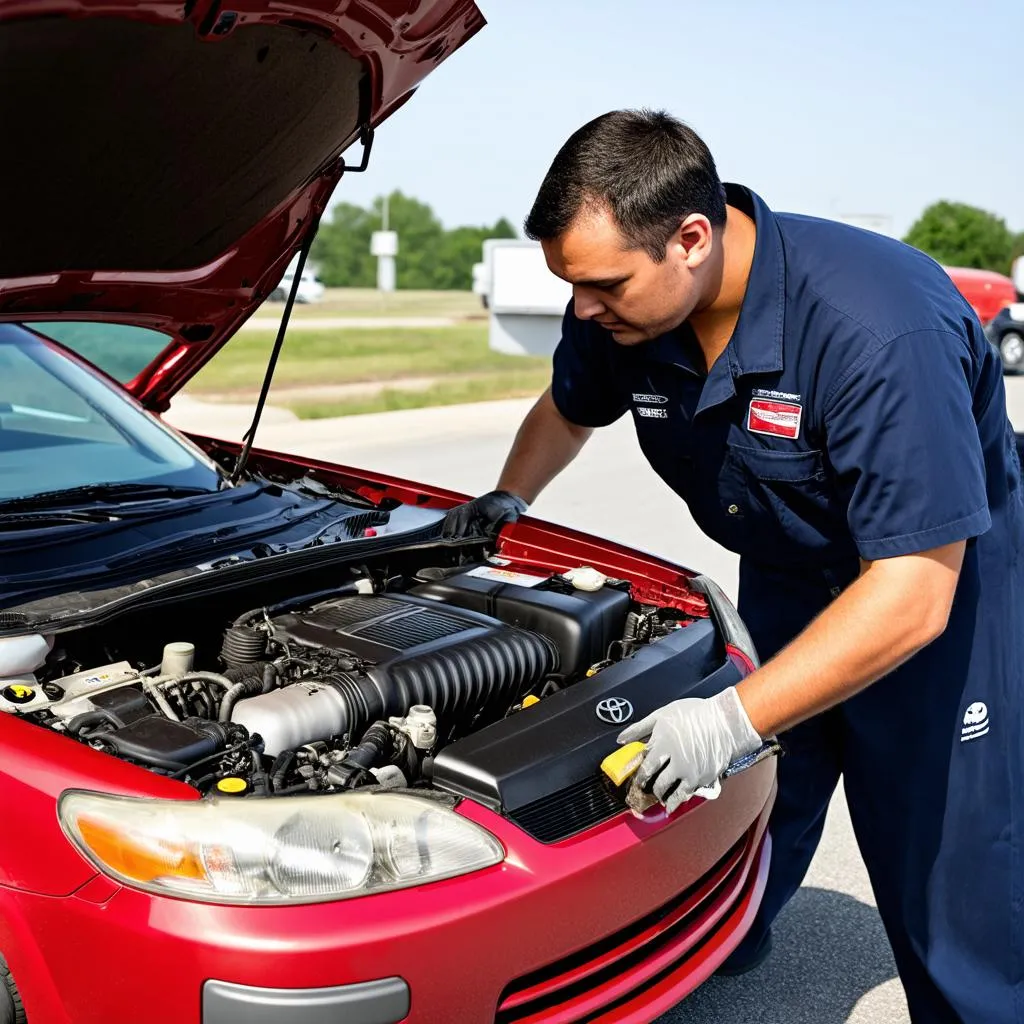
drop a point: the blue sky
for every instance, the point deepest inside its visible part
(848, 107)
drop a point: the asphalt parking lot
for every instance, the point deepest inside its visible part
(831, 962)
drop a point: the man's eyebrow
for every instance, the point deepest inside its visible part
(603, 283)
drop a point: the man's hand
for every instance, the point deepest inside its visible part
(483, 516)
(545, 444)
(692, 741)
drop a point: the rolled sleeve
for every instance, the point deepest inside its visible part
(587, 382)
(904, 445)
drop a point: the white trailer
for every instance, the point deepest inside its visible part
(525, 300)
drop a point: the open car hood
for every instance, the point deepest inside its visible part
(165, 160)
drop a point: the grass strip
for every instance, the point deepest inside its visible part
(363, 354)
(525, 383)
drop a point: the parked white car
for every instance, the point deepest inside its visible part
(310, 289)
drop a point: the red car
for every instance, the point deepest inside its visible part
(270, 748)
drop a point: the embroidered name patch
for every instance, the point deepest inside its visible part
(779, 418)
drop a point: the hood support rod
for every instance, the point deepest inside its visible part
(250, 435)
(366, 139)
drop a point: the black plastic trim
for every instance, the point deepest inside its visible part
(371, 1002)
(538, 754)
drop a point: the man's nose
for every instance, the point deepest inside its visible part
(586, 303)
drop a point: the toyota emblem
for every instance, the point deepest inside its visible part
(614, 710)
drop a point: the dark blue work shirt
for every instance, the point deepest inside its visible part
(859, 412)
(858, 409)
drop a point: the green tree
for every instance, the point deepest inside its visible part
(503, 229)
(428, 256)
(460, 249)
(1018, 245)
(341, 250)
(959, 235)
(419, 238)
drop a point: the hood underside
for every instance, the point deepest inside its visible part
(165, 161)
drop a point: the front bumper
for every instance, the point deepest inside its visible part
(618, 923)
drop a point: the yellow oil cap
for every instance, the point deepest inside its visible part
(622, 763)
(232, 785)
(529, 700)
(18, 693)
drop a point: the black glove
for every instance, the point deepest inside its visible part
(483, 516)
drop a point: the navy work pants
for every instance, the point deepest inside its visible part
(931, 760)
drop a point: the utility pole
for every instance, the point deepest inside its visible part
(384, 245)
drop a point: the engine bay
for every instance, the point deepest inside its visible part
(377, 681)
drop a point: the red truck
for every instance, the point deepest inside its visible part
(986, 291)
(994, 297)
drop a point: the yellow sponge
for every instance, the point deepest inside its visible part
(622, 763)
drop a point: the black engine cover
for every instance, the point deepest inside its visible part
(528, 766)
(380, 628)
(581, 624)
(386, 654)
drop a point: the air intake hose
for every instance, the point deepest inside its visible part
(475, 674)
(243, 645)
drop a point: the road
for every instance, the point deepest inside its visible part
(831, 963)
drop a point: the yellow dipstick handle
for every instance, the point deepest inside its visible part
(622, 763)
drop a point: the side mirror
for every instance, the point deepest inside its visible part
(1018, 275)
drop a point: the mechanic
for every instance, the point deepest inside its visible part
(826, 404)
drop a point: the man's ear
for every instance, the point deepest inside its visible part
(693, 241)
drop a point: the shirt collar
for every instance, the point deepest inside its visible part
(756, 342)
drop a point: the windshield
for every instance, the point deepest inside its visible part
(63, 427)
(121, 350)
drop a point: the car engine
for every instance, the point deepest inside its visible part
(366, 684)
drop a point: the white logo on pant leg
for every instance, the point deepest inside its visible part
(976, 722)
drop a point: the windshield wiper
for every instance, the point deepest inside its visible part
(107, 493)
(34, 519)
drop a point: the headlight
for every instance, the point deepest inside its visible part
(289, 850)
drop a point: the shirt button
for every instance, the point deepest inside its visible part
(733, 510)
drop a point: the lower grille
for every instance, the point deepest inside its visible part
(591, 984)
(570, 810)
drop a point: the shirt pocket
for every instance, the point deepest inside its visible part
(776, 467)
(775, 499)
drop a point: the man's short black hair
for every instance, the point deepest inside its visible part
(648, 168)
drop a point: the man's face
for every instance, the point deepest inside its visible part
(623, 289)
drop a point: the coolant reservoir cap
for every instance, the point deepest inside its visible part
(178, 658)
(585, 578)
(232, 785)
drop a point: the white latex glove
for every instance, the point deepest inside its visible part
(692, 741)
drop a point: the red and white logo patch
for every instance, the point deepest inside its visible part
(779, 418)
